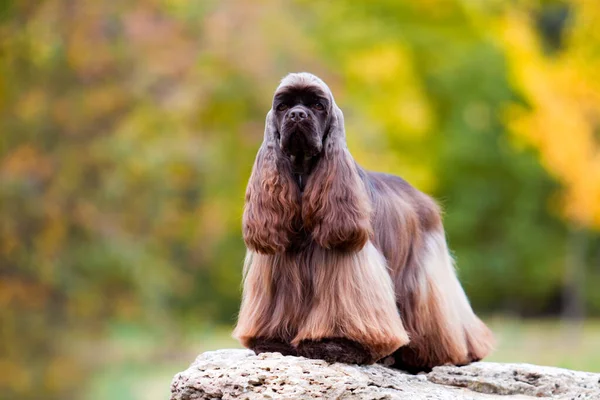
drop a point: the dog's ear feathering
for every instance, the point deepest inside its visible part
(272, 208)
(335, 203)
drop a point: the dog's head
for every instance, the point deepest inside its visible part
(304, 179)
(302, 113)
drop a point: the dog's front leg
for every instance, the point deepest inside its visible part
(273, 303)
(353, 318)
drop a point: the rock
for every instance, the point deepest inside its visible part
(240, 374)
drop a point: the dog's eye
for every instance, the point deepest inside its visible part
(318, 106)
(282, 107)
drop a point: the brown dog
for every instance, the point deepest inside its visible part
(344, 264)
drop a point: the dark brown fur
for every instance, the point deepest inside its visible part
(354, 267)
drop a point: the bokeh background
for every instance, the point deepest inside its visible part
(129, 128)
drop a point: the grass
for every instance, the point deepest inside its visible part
(139, 365)
(547, 342)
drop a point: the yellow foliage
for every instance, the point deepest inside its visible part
(60, 371)
(398, 100)
(384, 84)
(562, 115)
(14, 376)
(377, 65)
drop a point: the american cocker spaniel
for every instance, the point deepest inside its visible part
(345, 264)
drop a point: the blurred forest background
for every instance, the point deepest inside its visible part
(129, 129)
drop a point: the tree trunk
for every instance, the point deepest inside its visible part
(573, 301)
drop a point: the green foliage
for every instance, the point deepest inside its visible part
(129, 130)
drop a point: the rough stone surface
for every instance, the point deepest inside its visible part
(240, 374)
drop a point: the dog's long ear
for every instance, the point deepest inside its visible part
(272, 213)
(335, 205)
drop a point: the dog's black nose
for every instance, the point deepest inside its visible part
(297, 114)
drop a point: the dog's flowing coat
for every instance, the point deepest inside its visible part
(354, 267)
